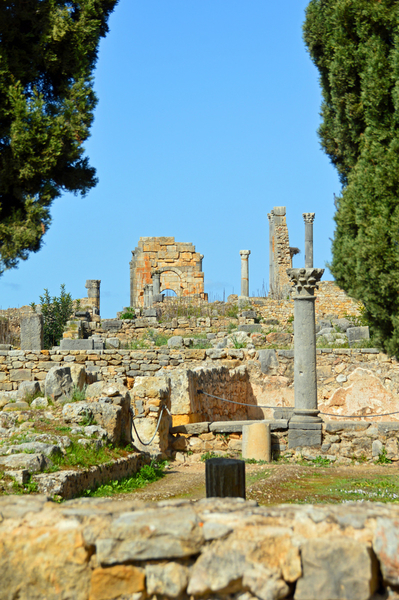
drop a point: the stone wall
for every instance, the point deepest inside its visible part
(350, 381)
(179, 265)
(218, 549)
(343, 442)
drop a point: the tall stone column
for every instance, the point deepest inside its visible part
(308, 218)
(244, 272)
(93, 292)
(305, 425)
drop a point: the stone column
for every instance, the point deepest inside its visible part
(148, 295)
(244, 273)
(156, 283)
(308, 218)
(305, 425)
(93, 287)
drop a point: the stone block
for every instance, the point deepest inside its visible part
(357, 334)
(32, 332)
(20, 375)
(175, 342)
(337, 569)
(268, 360)
(58, 384)
(251, 328)
(108, 325)
(302, 438)
(28, 388)
(69, 344)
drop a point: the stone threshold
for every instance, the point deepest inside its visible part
(69, 484)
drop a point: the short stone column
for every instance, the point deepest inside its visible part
(156, 283)
(305, 425)
(244, 272)
(308, 218)
(148, 295)
(93, 292)
(32, 332)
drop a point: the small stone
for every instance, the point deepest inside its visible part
(170, 579)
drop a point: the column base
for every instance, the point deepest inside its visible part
(304, 429)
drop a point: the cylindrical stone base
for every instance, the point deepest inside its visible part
(225, 477)
(256, 442)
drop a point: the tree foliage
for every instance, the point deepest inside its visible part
(355, 46)
(56, 312)
(48, 51)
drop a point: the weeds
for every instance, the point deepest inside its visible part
(147, 474)
(383, 458)
(236, 343)
(208, 455)
(78, 395)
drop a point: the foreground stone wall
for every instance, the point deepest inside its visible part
(219, 549)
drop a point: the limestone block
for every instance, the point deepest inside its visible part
(180, 400)
(28, 388)
(78, 375)
(69, 344)
(58, 384)
(170, 580)
(119, 581)
(32, 332)
(267, 359)
(31, 462)
(356, 334)
(175, 342)
(337, 569)
(20, 375)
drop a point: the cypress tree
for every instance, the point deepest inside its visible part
(355, 46)
(48, 51)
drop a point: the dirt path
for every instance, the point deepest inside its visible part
(276, 483)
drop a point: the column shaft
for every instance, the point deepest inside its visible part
(244, 272)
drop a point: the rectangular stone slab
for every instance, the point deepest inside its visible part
(236, 426)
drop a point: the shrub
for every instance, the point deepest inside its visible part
(56, 312)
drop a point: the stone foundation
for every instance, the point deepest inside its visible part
(218, 549)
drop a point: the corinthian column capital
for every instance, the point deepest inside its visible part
(308, 217)
(305, 281)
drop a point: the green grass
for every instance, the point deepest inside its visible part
(78, 395)
(383, 458)
(147, 474)
(80, 456)
(208, 455)
(31, 487)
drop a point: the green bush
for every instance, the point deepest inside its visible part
(56, 312)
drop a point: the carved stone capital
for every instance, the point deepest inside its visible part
(245, 252)
(269, 216)
(305, 280)
(308, 217)
(93, 284)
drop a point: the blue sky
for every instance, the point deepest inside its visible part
(207, 118)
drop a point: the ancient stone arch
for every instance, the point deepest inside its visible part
(177, 264)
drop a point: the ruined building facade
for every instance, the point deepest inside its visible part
(160, 263)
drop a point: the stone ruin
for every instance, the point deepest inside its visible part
(159, 264)
(280, 254)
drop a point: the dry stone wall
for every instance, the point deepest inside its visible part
(219, 549)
